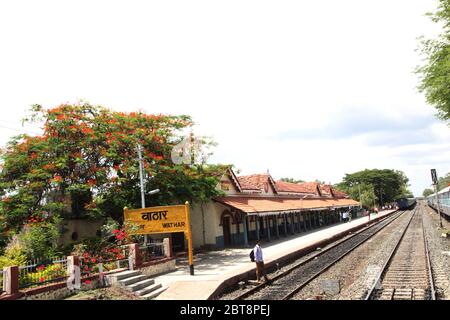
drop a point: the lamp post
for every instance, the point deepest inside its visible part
(360, 198)
(435, 183)
(141, 178)
(381, 196)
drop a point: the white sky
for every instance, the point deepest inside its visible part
(306, 89)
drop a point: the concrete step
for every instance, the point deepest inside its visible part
(131, 280)
(140, 285)
(113, 279)
(148, 289)
(155, 293)
(125, 274)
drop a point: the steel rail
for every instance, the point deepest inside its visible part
(430, 271)
(390, 218)
(377, 281)
(332, 263)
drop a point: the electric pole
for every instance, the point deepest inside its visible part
(141, 175)
(141, 178)
(435, 183)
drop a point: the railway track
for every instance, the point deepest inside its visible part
(285, 285)
(407, 273)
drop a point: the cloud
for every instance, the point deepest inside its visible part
(378, 127)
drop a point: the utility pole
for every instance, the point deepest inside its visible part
(381, 197)
(359, 190)
(141, 175)
(435, 183)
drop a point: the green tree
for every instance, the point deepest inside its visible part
(427, 192)
(85, 165)
(435, 74)
(364, 193)
(292, 180)
(387, 185)
(444, 181)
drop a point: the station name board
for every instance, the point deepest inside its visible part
(156, 220)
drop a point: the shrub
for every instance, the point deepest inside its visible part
(39, 240)
(14, 256)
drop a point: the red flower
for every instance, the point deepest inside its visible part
(87, 130)
(92, 182)
(40, 268)
(41, 279)
(57, 178)
(48, 166)
(87, 281)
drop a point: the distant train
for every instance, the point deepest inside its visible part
(444, 201)
(406, 203)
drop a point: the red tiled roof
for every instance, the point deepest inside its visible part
(325, 190)
(310, 186)
(255, 181)
(253, 205)
(283, 186)
(339, 194)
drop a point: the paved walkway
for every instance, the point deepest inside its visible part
(213, 268)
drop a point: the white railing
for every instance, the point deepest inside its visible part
(42, 271)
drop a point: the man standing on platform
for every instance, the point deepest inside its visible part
(260, 272)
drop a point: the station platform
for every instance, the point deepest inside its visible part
(214, 268)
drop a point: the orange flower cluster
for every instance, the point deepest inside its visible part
(154, 156)
(57, 179)
(50, 166)
(87, 130)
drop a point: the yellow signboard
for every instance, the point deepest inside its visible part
(162, 220)
(157, 219)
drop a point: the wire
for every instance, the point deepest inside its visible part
(18, 130)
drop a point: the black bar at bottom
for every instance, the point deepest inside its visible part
(191, 269)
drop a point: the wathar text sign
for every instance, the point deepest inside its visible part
(162, 220)
(157, 219)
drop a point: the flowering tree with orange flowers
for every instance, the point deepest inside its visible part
(85, 164)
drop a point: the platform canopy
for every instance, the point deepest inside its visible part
(263, 206)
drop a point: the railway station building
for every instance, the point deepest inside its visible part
(258, 207)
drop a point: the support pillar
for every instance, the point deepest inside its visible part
(74, 272)
(168, 252)
(277, 230)
(245, 231)
(268, 227)
(135, 252)
(285, 225)
(291, 216)
(257, 227)
(12, 281)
